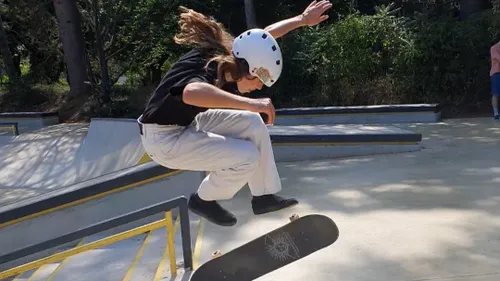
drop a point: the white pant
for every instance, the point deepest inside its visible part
(233, 146)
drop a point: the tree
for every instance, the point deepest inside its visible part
(73, 44)
(103, 61)
(7, 55)
(34, 37)
(250, 14)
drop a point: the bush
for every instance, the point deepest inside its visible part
(450, 62)
(24, 96)
(347, 63)
(355, 59)
(384, 59)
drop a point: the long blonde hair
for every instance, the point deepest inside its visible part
(200, 31)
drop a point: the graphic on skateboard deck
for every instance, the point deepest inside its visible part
(273, 250)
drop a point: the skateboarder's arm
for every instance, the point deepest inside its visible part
(206, 95)
(311, 16)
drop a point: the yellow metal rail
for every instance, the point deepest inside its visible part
(166, 222)
(170, 243)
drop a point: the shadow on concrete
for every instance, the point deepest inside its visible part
(59, 156)
(34, 163)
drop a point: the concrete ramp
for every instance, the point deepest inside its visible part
(110, 145)
(38, 162)
(58, 156)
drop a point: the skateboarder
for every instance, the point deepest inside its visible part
(192, 123)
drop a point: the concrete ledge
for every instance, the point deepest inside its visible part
(29, 115)
(396, 108)
(30, 121)
(340, 134)
(334, 141)
(49, 216)
(80, 191)
(376, 114)
(290, 153)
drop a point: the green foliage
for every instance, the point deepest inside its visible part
(346, 62)
(137, 35)
(30, 97)
(33, 36)
(419, 52)
(451, 60)
(358, 50)
(383, 58)
(126, 102)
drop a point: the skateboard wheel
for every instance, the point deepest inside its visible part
(294, 217)
(216, 254)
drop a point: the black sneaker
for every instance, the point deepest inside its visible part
(496, 117)
(271, 203)
(211, 210)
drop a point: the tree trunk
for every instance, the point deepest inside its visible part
(250, 14)
(7, 55)
(103, 62)
(73, 46)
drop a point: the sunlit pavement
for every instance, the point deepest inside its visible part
(427, 215)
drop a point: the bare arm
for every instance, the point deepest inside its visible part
(311, 16)
(283, 27)
(208, 96)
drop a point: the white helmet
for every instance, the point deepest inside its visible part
(263, 54)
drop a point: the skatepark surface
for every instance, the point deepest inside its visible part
(58, 156)
(432, 214)
(428, 215)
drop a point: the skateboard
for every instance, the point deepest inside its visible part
(273, 250)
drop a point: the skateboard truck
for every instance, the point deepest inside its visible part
(216, 254)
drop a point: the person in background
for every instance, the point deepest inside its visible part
(495, 78)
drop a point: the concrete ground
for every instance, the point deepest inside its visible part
(427, 215)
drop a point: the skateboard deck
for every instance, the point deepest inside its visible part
(273, 250)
